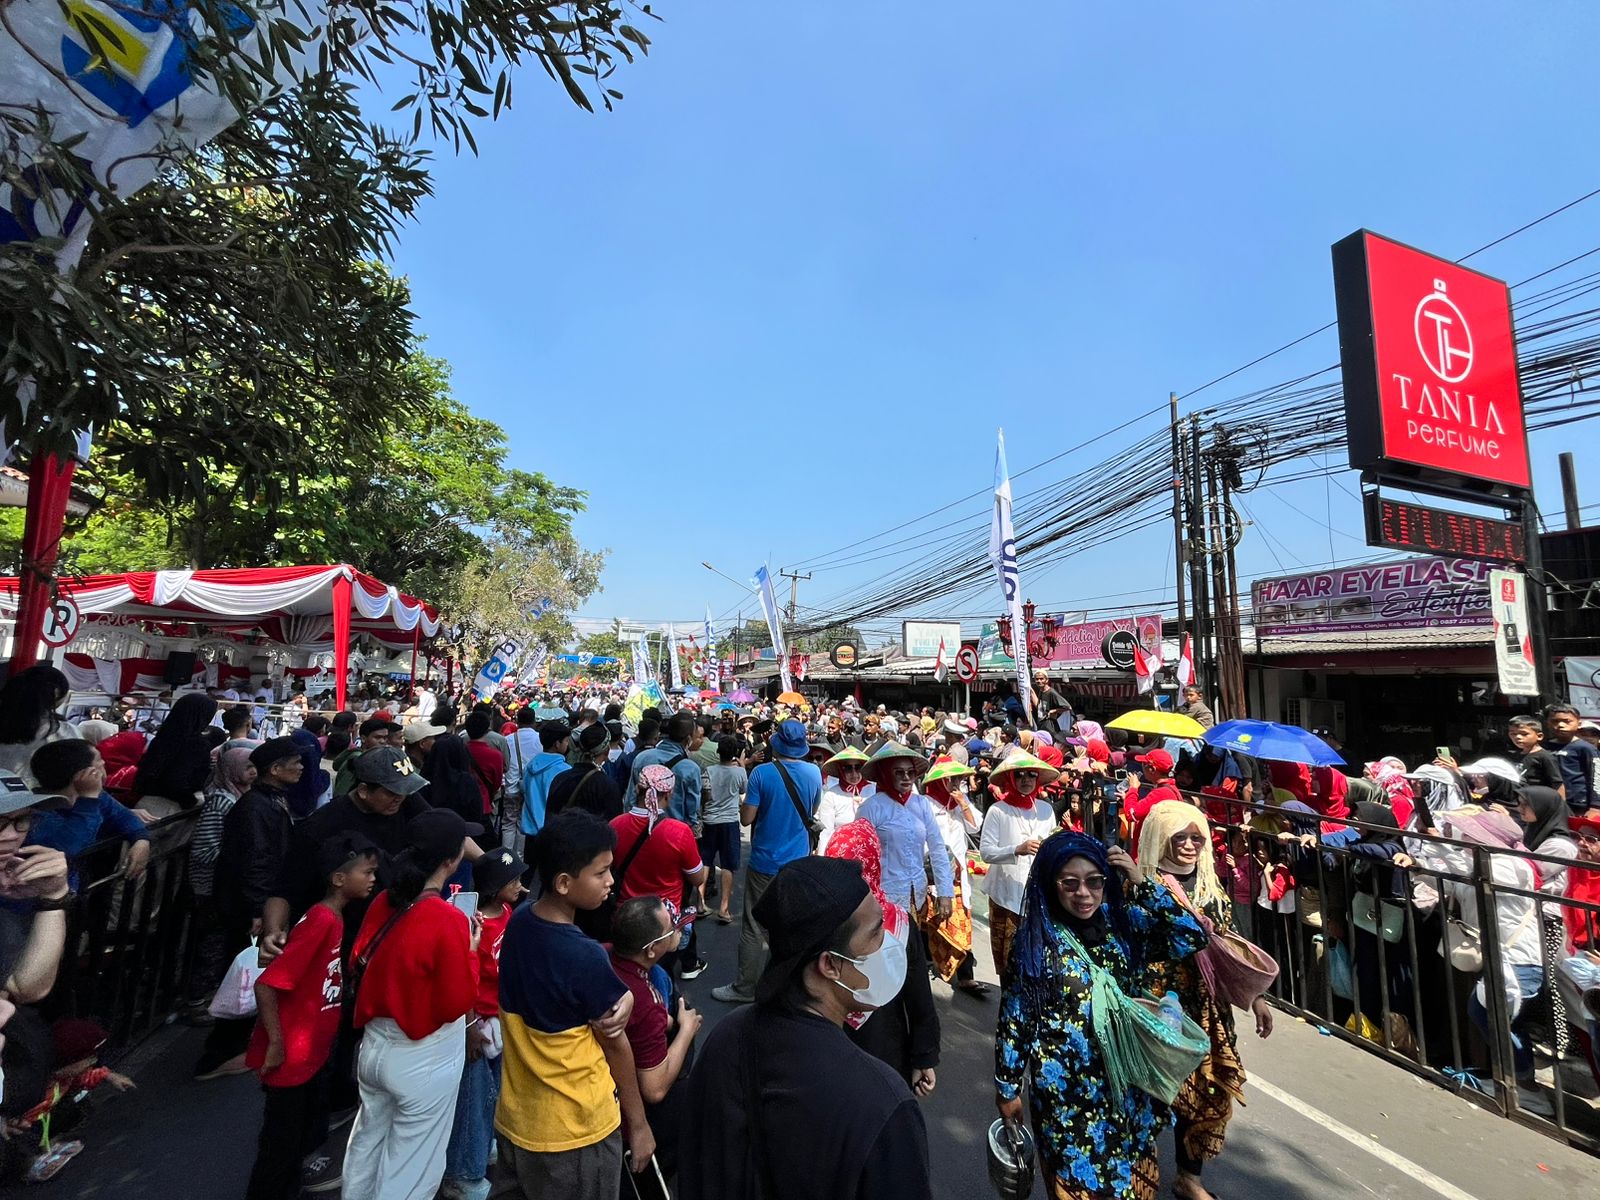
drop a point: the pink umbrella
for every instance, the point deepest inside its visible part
(743, 696)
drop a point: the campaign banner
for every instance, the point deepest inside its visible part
(117, 82)
(1003, 557)
(1412, 593)
(501, 662)
(674, 667)
(769, 609)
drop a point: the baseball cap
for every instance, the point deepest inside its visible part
(419, 731)
(1159, 759)
(801, 909)
(495, 869)
(341, 849)
(389, 768)
(15, 795)
(438, 833)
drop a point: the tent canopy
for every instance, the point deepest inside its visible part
(306, 608)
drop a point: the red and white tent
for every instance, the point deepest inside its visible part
(303, 608)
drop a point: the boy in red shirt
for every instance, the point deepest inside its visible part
(498, 878)
(298, 1001)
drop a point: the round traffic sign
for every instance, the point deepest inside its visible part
(61, 621)
(967, 664)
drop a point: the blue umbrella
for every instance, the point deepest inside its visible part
(1268, 739)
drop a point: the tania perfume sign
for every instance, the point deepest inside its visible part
(1429, 361)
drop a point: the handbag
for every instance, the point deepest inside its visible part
(1362, 912)
(1341, 972)
(1236, 970)
(813, 827)
(236, 994)
(1463, 945)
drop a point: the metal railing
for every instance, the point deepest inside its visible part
(129, 944)
(1404, 959)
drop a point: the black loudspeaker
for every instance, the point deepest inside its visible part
(180, 667)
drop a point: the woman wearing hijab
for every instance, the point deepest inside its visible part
(844, 787)
(950, 941)
(1013, 828)
(1372, 871)
(1544, 820)
(28, 718)
(904, 1032)
(1581, 955)
(1390, 775)
(1077, 913)
(177, 762)
(1175, 840)
(232, 777)
(1494, 781)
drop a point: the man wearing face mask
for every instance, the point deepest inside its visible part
(785, 1065)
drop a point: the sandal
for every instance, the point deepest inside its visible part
(723, 918)
(977, 989)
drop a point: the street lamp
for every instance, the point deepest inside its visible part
(1005, 631)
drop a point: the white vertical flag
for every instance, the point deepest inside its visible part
(1003, 554)
(713, 671)
(674, 671)
(769, 607)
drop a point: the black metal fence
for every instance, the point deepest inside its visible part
(1445, 962)
(130, 942)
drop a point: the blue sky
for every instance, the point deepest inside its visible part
(780, 299)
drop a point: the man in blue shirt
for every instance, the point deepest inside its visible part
(1579, 763)
(541, 772)
(778, 836)
(672, 752)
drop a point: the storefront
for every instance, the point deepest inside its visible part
(1393, 658)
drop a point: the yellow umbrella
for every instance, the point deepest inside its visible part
(1154, 720)
(792, 698)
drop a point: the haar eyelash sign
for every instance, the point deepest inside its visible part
(1429, 363)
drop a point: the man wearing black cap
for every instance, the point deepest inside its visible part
(785, 1064)
(586, 785)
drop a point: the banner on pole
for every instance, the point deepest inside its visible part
(769, 608)
(1513, 647)
(1003, 554)
(501, 662)
(674, 670)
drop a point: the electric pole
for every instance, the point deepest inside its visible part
(794, 589)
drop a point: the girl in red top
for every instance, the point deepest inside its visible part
(414, 966)
(498, 878)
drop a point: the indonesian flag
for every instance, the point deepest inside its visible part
(1145, 667)
(1186, 662)
(940, 667)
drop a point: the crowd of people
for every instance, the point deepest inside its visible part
(449, 938)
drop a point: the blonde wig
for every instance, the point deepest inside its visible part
(1161, 823)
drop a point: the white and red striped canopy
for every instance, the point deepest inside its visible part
(293, 606)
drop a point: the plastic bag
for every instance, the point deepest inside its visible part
(236, 995)
(1341, 973)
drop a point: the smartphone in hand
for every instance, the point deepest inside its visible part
(467, 902)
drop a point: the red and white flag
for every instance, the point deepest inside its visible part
(1186, 662)
(1145, 667)
(940, 668)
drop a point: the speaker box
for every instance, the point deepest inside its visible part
(180, 667)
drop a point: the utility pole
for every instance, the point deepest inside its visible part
(1205, 663)
(794, 590)
(1177, 512)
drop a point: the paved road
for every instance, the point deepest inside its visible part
(1324, 1121)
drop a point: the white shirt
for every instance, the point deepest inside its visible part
(523, 747)
(426, 702)
(837, 808)
(1005, 827)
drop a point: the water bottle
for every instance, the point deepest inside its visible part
(1172, 1012)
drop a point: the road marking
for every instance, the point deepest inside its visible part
(1361, 1141)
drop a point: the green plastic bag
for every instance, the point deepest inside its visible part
(1137, 1045)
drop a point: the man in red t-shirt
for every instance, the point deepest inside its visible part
(666, 863)
(488, 764)
(298, 998)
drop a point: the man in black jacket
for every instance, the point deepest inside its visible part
(585, 785)
(784, 1064)
(255, 847)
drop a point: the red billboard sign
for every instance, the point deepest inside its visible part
(1430, 368)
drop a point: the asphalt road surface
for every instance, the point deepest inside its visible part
(1324, 1120)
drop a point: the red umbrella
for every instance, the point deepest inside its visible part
(707, 693)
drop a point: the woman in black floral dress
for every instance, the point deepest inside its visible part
(1093, 1145)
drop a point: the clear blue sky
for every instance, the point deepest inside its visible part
(820, 251)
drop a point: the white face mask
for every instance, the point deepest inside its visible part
(613, 754)
(885, 969)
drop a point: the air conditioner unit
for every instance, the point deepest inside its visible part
(1315, 714)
